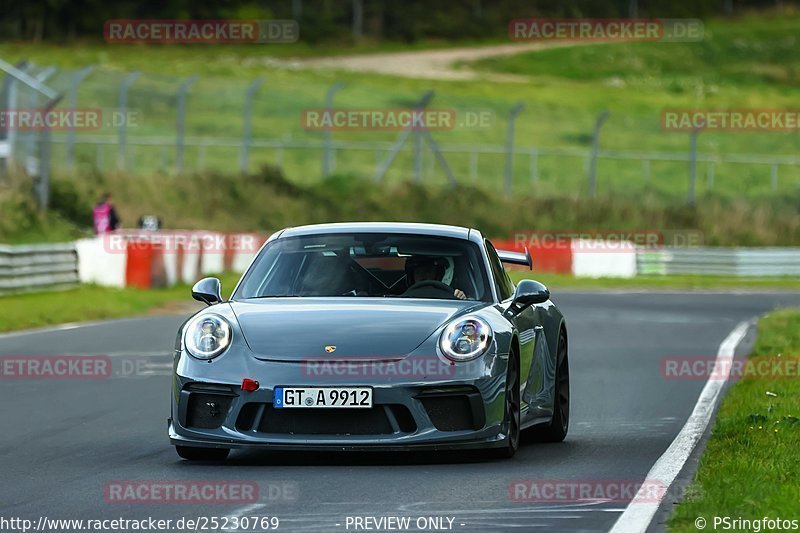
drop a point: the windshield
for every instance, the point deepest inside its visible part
(368, 265)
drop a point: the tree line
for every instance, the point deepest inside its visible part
(343, 20)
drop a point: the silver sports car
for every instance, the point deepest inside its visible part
(371, 336)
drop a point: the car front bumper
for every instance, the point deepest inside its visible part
(461, 410)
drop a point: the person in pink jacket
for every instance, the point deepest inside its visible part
(105, 216)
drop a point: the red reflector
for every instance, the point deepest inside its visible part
(249, 384)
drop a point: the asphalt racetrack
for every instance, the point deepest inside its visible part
(65, 441)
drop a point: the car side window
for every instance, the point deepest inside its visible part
(504, 286)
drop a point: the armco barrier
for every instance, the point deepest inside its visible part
(156, 259)
(133, 260)
(37, 267)
(596, 258)
(97, 265)
(579, 257)
(739, 262)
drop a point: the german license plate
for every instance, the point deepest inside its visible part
(323, 397)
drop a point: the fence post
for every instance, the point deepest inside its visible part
(11, 94)
(534, 167)
(123, 110)
(384, 165)
(512, 117)
(326, 156)
(31, 138)
(76, 80)
(417, 156)
(44, 158)
(595, 148)
(247, 120)
(693, 164)
(180, 125)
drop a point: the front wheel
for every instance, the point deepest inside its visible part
(556, 430)
(192, 453)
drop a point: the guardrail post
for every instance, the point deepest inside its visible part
(247, 120)
(72, 101)
(123, 110)
(326, 155)
(512, 117)
(592, 170)
(180, 124)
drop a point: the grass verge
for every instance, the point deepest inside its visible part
(90, 302)
(750, 468)
(554, 282)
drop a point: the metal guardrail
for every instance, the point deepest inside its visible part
(37, 267)
(720, 261)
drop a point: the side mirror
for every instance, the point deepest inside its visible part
(207, 290)
(528, 293)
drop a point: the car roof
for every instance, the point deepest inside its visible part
(441, 230)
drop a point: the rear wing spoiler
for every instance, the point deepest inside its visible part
(516, 258)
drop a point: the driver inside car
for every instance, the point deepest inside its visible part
(436, 271)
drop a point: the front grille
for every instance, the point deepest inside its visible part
(207, 411)
(378, 420)
(371, 421)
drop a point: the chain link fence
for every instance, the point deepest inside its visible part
(152, 123)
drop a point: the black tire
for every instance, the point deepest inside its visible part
(512, 406)
(556, 430)
(191, 453)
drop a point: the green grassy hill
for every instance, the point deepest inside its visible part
(746, 62)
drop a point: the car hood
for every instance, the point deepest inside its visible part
(300, 329)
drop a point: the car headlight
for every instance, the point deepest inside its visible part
(465, 339)
(207, 336)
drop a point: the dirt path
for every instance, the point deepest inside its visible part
(427, 64)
